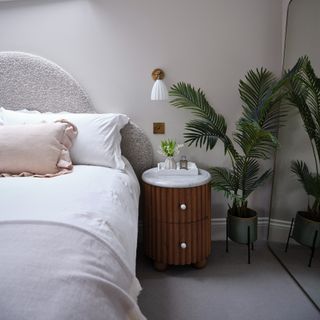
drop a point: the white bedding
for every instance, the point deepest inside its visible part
(101, 202)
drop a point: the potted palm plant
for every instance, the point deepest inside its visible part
(255, 138)
(304, 94)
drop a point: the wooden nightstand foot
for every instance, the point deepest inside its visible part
(200, 264)
(160, 266)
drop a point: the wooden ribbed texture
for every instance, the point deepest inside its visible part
(167, 225)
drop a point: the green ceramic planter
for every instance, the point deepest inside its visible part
(304, 230)
(238, 227)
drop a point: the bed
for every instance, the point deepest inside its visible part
(68, 243)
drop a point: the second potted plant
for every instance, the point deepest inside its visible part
(304, 94)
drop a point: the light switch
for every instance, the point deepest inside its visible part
(158, 127)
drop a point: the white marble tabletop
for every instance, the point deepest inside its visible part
(152, 177)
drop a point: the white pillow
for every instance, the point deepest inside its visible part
(1, 117)
(98, 140)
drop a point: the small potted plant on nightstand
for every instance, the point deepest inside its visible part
(255, 137)
(169, 148)
(304, 94)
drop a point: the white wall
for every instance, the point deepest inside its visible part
(112, 46)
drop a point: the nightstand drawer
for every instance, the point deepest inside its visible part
(178, 244)
(177, 205)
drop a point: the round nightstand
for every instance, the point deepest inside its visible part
(177, 218)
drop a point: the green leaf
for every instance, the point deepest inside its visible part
(261, 96)
(209, 126)
(168, 147)
(254, 141)
(309, 181)
(224, 180)
(249, 179)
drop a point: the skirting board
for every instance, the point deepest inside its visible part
(218, 228)
(278, 230)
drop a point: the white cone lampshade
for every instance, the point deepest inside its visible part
(159, 91)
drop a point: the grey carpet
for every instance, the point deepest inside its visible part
(296, 261)
(227, 289)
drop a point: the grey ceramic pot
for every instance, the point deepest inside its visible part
(238, 227)
(304, 230)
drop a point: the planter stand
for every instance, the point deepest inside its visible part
(313, 242)
(248, 243)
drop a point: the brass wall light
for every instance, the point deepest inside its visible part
(159, 89)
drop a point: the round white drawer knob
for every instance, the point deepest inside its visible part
(183, 245)
(183, 206)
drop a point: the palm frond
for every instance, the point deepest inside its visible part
(309, 181)
(262, 95)
(304, 93)
(247, 169)
(311, 185)
(312, 98)
(248, 172)
(312, 84)
(257, 182)
(224, 180)
(201, 133)
(297, 98)
(209, 127)
(255, 89)
(188, 97)
(254, 141)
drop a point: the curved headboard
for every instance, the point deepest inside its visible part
(32, 82)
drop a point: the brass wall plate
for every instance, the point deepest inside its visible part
(157, 74)
(158, 127)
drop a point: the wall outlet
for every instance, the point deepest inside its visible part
(158, 127)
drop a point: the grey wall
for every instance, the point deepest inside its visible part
(112, 46)
(302, 38)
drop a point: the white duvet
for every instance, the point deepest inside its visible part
(93, 214)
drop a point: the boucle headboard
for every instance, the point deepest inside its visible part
(32, 82)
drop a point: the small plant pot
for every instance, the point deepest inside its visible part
(304, 230)
(238, 227)
(170, 163)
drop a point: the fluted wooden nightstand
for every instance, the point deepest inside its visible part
(177, 218)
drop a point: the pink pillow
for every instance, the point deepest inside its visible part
(36, 149)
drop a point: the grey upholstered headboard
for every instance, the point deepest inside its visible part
(32, 82)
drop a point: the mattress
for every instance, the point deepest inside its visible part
(72, 237)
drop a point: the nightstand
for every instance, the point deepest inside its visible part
(177, 218)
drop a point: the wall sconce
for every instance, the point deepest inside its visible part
(159, 89)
